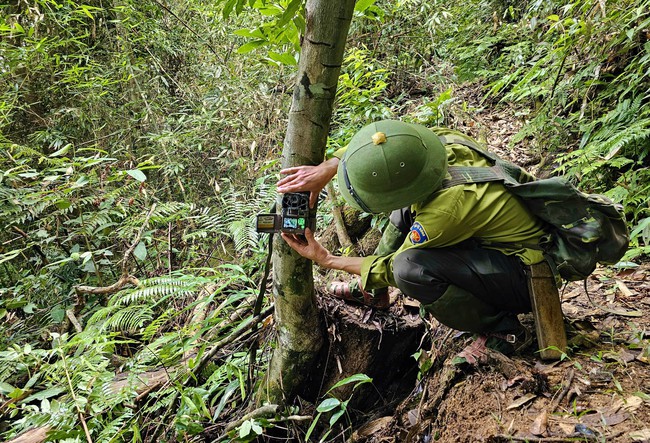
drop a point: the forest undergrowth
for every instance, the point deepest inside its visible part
(139, 139)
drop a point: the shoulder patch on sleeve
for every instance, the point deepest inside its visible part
(418, 234)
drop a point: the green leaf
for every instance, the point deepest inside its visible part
(312, 427)
(86, 256)
(290, 12)
(28, 174)
(18, 28)
(137, 174)
(86, 10)
(228, 7)
(81, 182)
(239, 7)
(335, 417)
(356, 378)
(61, 151)
(270, 10)
(286, 58)
(57, 314)
(328, 404)
(29, 308)
(362, 5)
(63, 204)
(47, 393)
(6, 388)
(16, 393)
(140, 251)
(257, 428)
(250, 46)
(245, 429)
(227, 393)
(15, 303)
(249, 33)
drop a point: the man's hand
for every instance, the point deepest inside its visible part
(309, 248)
(308, 178)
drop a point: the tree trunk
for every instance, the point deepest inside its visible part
(299, 333)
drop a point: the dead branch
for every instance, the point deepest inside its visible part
(564, 392)
(536, 439)
(263, 411)
(36, 435)
(73, 320)
(107, 290)
(125, 279)
(339, 223)
(236, 333)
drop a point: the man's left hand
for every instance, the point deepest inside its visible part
(307, 246)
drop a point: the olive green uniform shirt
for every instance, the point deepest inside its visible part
(484, 211)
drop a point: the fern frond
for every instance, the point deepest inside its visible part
(151, 294)
(114, 430)
(157, 324)
(244, 234)
(102, 314)
(129, 319)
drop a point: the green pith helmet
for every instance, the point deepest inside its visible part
(390, 164)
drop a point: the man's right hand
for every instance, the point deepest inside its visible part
(308, 178)
(311, 249)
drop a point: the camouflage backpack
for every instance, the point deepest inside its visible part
(583, 229)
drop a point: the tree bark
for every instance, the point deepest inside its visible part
(299, 333)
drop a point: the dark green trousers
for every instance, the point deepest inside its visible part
(465, 286)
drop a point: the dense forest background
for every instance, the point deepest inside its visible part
(138, 139)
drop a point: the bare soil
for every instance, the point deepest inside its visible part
(599, 392)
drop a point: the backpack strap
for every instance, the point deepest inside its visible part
(510, 174)
(461, 175)
(502, 170)
(449, 139)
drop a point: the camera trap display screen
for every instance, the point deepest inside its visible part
(294, 223)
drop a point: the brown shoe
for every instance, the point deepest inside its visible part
(352, 291)
(507, 343)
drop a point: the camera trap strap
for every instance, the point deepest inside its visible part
(257, 308)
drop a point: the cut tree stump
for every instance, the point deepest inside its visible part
(379, 344)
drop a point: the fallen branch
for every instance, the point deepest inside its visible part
(36, 435)
(126, 277)
(563, 393)
(536, 439)
(106, 290)
(73, 320)
(264, 411)
(236, 333)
